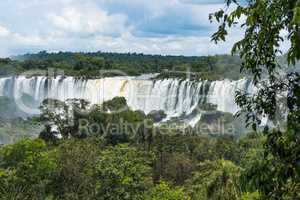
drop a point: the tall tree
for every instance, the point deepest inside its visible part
(264, 22)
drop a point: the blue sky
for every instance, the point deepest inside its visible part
(176, 27)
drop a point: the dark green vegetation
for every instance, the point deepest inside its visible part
(113, 153)
(89, 65)
(276, 175)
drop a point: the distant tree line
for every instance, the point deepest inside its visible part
(89, 64)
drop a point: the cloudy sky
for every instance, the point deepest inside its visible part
(176, 27)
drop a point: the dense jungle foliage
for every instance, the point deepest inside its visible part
(93, 65)
(112, 152)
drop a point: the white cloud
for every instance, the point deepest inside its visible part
(4, 31)
(87, 21)
(179, 27)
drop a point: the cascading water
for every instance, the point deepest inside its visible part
(175, 97)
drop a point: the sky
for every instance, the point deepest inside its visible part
(167, 27)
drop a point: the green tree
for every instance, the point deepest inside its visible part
(215, 180)
(263, 22)
(26, 170)
(76, 163)
(56, 112)
(64, 115)
(122, 173)
(163, 191)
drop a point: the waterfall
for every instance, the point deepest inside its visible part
(175, 97)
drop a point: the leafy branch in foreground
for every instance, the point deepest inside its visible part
(264, 22)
